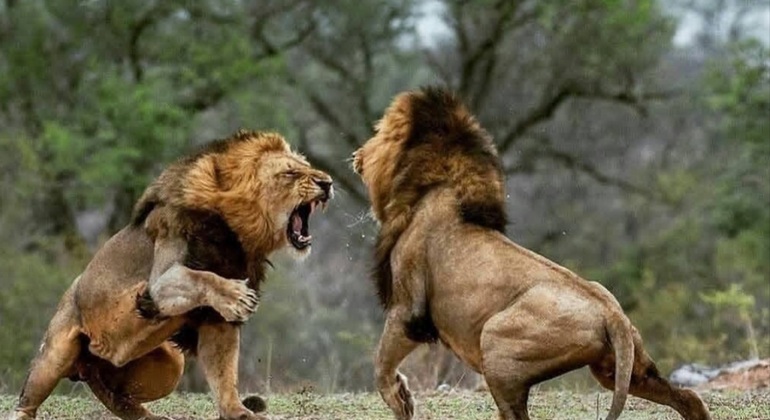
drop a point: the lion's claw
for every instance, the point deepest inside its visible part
(235, 302)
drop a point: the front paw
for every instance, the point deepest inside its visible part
(235, 301)
(20, 415)
(241, 414)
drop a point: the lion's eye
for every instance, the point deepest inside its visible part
(290, 174)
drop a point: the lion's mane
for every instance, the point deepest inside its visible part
(185, 201)
(441, 146)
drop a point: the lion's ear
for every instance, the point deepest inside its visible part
(203, 183)
(146, 203)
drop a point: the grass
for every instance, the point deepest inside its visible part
(306, 405)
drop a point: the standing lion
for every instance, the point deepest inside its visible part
(445, 271)
(181, 276)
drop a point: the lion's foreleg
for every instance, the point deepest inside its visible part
(180, 289)
(394, 346)
(218, 355)
(175, 289)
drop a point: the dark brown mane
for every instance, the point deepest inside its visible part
(442, 131)
(446, 147)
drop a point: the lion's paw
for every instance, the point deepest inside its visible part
(404, 398)
(242, 414)
(19, 415)
(236, 301)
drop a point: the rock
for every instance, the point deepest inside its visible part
(743, 375)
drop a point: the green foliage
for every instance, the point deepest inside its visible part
(735, 308)
(631, 35)
(29, 296)
(732, 298)
(719, 243)
(741, 91)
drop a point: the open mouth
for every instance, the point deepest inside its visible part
(298, 228)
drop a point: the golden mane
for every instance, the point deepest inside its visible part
(214, 179)
(196, 180)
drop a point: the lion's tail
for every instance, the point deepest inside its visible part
(622, 340)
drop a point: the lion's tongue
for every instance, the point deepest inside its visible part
(296, 224)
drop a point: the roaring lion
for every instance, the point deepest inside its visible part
(446, 271)
(182, 276)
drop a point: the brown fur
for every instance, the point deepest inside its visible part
(445, 271)
(187, 269)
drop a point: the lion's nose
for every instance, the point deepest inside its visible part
(357, 161)
(325, 185)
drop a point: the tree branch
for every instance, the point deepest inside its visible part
(212, 94)
(573, 162)
(323, 110)
(272, 49)
(366, 81)
(284, 6)
(342, 71)
(546, 109)
(153, 14)
(486, 50)
(317, 103)
(204, 98)
(543, 111)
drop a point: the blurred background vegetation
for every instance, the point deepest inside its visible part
(635, 136)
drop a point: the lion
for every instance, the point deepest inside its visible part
(444, 270)
(181, 277)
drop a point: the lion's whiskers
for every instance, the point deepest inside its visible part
(360, 218)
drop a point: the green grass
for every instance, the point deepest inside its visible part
(431, 406)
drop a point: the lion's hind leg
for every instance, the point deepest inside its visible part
(522, 346)
(647, 383)
(56, 359)
(123, 390)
